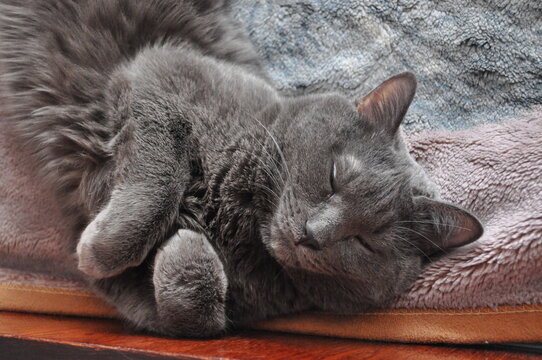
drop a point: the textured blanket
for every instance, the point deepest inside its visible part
(476, 61)
(477, 65)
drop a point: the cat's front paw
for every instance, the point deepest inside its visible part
(190, 287)
(106, 248)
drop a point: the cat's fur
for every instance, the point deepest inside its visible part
(210, 199)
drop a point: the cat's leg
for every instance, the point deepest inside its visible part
(181, 293)
(151, 173)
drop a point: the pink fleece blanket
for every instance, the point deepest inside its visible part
(495, 170)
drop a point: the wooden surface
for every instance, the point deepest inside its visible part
(29, 336)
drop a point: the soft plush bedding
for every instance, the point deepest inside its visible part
(476, 61)
(474, 125)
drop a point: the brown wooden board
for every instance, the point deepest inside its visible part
(30, 336)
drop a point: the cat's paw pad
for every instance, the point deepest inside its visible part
(104, 249)
(190, 286)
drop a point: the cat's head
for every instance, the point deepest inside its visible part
(358, 217)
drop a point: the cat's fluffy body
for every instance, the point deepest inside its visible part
(199, 182)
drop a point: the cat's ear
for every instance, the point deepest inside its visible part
(444, 225)
(385, 107)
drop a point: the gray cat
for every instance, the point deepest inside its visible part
(206, 200)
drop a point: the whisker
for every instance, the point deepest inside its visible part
(268, 172)
(425, 237)
(264, 168)
(266, 188)
(275, 162)
(271, 166)
(411, 243)
(276, 145)
(434, 223)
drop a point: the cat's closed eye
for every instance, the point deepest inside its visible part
(364, 243)
(333, 178)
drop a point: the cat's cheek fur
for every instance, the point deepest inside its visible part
(281, 247)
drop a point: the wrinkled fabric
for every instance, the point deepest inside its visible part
(33, 234)
(476, 61)
(494, 170)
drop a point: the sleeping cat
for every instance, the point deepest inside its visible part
(204, 198)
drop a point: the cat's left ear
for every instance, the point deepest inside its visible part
(385, 107)
(444, 225)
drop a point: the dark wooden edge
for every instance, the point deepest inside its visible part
(24, 349)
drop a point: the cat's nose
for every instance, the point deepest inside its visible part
(308, 238)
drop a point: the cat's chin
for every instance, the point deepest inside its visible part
(281, 246)
(284, 247)
(329, 288)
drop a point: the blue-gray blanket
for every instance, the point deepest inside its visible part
(476, 61)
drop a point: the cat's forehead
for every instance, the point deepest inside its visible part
(369, 170)
(360, 152)
(351, 162)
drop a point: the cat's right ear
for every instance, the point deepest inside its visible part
(385, 107)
